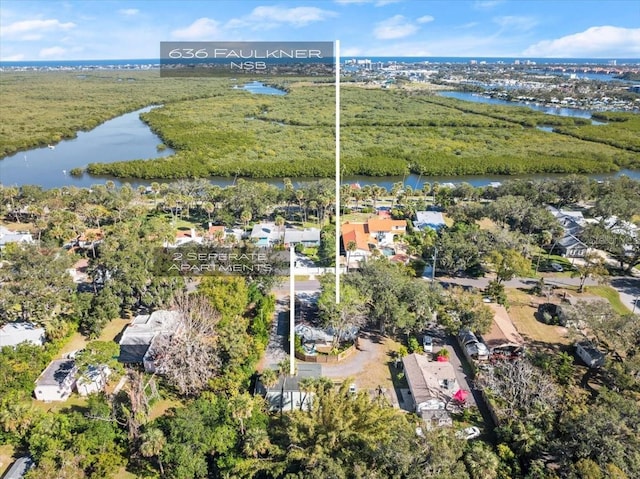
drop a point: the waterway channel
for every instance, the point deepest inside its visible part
(127, 137)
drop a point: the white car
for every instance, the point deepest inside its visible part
(427, 344)
(557, 267)
(468, 433)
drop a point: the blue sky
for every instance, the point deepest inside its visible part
(83, 29)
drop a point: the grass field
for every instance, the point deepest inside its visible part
(6, 457)
(611, 295)
(522, 314)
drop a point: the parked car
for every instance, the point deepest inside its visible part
(468, 433)
(427, 344)
(557, 267)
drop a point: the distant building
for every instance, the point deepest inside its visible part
(7, 236)
(56, 382)
(12, 334)
(266, 234)
(140, 334)
(309, 237)
(184, 237)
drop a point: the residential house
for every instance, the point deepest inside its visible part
(589, 354)
(429, 219)
(266, 234)
(56, 382)
(184, 237)
(216, 233)
(139, 336)
(94, 380)
(432, 385)
(7, 236)
(572, 222)
(286, 394)
(570, 247)
(19, 468)
(358, 234)
(78, 271)
(503, 339)
(12, 334)
(384, 231)
(309, 237)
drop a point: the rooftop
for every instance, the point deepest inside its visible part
(12, 334)
(503, 332)
(429, 379)
(56, 373)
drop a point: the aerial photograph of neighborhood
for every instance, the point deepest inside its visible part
(320, 239)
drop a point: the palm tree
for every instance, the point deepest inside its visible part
(279, 221)
(153, 441)
(208, 208)
(306, 386)
(435, 187)
(351, 247)
(241, 406)
(245, 217)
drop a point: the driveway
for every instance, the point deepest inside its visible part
(275, 352)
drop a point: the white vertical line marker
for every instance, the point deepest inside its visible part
(337, 56)
(292, 310)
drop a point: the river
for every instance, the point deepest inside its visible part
(127, 137)
(549, 110)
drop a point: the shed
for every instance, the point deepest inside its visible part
(589, 354)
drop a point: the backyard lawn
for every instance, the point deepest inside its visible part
(611, 295)
(522, 314)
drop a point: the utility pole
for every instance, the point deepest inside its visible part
(433, 266)
(292, 309)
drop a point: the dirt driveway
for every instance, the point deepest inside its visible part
(368, 367)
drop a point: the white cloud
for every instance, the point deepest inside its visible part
(516, 22)
(275, 16)
(52, 52)
(382, 3)
(34, 29)
(394, 27)
(13, 58)
(425, 19)
(487, 4)
(128, 12)
(202, 29)
(603, 41)
(377, 3)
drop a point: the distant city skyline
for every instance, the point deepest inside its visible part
(84, 30)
